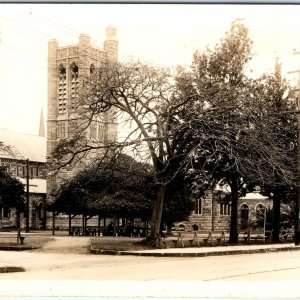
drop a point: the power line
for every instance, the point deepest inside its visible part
(71, 32)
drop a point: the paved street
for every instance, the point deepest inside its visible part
(269, 266)
(55, 271)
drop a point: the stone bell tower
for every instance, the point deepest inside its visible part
(68, 66)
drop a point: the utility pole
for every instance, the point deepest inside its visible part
(297, 208)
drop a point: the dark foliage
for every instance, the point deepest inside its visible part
(11, 191)
(231, 125)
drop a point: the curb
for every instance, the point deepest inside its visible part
(11, 269)
(193, 254)
(17, 248)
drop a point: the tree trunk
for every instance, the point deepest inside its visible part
(157, 213)
(70, 223)
(276, 219)
(99, 223)
(147, 228)
(234, 234)
(83, 223)
(115, 225)
(53, 223)
(213, 212)
(18, 221)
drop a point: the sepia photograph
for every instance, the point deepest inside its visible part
(150, 150)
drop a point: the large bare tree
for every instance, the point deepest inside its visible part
(211, 116)
(145, 101)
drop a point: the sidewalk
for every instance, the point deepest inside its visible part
(204, 251)
(63, 243)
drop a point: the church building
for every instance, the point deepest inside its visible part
(68, 66)
(27, 163)
(211, 214)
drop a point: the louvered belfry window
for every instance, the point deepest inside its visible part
(62, 90)
(74, 85)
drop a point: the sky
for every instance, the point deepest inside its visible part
(161, 34)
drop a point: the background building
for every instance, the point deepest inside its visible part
(211, 214)
(32, 148)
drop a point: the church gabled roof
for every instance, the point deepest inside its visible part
(23, 146)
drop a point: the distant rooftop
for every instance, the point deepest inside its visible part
(24, 146)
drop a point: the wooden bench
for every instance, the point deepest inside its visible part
(91, 230)
(257, 235)
(75, 230)
(88, 230)
(213, 237)
(195, 237)
(221, 238)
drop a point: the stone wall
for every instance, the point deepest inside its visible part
(36, 219)
(209, 218)
(213, 218)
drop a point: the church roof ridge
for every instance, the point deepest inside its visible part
(23, 145)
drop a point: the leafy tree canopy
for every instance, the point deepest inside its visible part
(233, 124)
(114, 186)
(124, 187)
(11, 191)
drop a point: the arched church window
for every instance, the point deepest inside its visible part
(74, 71)
(40, 211)
(244, 215)
(198, 206)
(6, 212)
(62, 89)
(73, 127)
(74, 84)
(93, 130)
(92, 69)
(61, 130)
(225, 209)
(260, 211)
(101, 132)
(62, 71)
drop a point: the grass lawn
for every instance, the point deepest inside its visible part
(118, 243)
(30, 241)
(103, 242)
